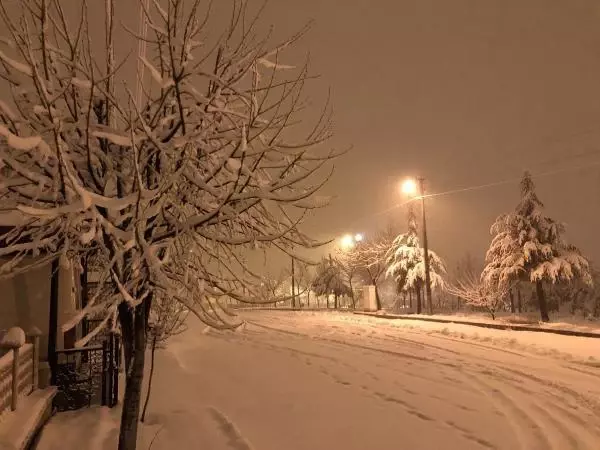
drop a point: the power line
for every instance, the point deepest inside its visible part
(512, 180)
(478, 187)
(547, 141)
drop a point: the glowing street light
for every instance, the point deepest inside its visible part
(347, 242)
(409, 187)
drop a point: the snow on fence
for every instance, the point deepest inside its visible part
(19, 367)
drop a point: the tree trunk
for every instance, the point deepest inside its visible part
(335, 301)
(149, 379)
(512, 301)
(135, 355)
(418, 300)
(377, 298)
(519, 301)
(539, 288)
(410, 299)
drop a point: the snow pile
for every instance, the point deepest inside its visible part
(13, 338)
(584, 350)
(17, 428)
(97, 428)
(569, 323)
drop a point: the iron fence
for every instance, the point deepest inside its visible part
(88, 376)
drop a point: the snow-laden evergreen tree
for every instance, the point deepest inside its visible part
(406, 262)
(529, 246)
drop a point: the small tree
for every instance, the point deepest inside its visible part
(479, 294)
(329, 280)
(349, 264)
(167, 319)
(465, 270)
(527, 245)
(369, 258)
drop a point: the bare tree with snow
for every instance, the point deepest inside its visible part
(480, 294)
(199, 160)
(329, 280)
(369, 258)
(349, 262)
(529, 246)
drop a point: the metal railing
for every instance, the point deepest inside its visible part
(88, 376)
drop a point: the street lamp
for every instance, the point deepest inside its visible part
(410, 188)
(347, 242)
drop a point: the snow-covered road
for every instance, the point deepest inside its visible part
(311, 381)
(316, 381)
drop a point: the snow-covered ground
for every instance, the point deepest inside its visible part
(302, 380)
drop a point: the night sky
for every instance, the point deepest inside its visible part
(464, 93)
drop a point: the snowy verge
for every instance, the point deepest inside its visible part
(18, 428)
(579, 350)
(571, 349)
(97, 428)
(498, 325)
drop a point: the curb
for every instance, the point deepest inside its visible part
(496, 326)
(295, 309)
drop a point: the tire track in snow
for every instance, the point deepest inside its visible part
(551, 407)
(235, 440)
(407, 407)
(545, 417)
(508, 411)
(369, 352)
(552, 385)
(544, 398)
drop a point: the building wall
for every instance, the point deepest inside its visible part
(25, 301)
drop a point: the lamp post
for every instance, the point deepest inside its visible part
(410, 187)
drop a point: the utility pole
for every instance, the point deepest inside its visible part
(426, 249)
(293, 287)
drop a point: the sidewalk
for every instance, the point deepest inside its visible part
(542, 328)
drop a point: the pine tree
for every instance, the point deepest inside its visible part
(528, 246)
(406, 263)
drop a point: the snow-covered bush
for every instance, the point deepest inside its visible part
(480, 295)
